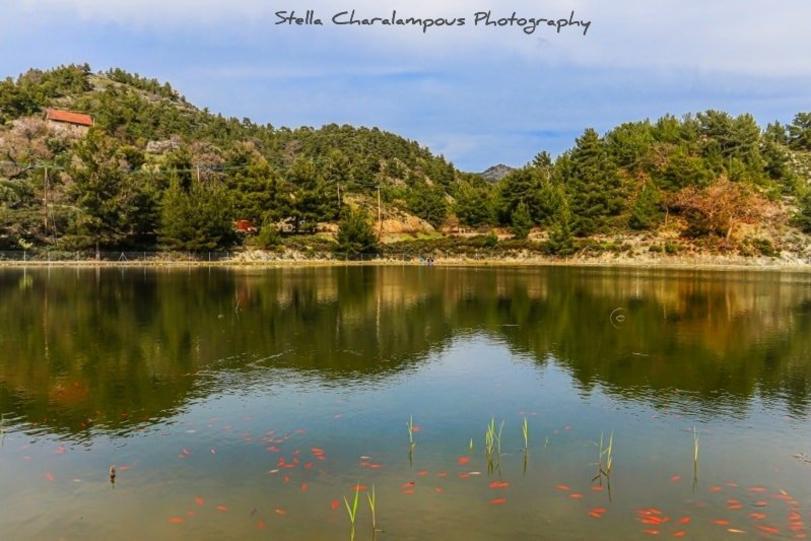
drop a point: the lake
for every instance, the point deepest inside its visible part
(246, 404)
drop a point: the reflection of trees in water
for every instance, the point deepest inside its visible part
(115, 347)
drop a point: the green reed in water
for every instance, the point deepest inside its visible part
(410, 426)
(492, 440)
(695, 453)
(605, 461)
(372, 499)
(352, 510)
(525, 433)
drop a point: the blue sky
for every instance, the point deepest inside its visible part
(478, 96)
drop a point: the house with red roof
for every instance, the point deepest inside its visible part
(68, 121)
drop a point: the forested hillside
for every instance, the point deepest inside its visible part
(156, 172)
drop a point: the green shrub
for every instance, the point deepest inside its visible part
(356, 236)
(269, 237)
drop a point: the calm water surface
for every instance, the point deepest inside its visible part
(247, 404)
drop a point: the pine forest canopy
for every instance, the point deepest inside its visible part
(155, 171)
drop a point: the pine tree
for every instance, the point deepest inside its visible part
(803, 218)
(428, 203)
(800, 132)
(593, 185)
(196, 220)
(112, 210)
(521, 221)
(307, 201)
(645, 212)
(253, 185)
(356, 236)
(561, 238)
(473, 206)
(522, 186)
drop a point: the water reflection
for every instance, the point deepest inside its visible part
(90, 350)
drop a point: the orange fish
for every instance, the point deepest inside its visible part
(176, 520)
(576, 496)
(260, 524)
(757, 516)
(499, 484)
(334, 504)
(199, 501)
(304, 487)
(222, 508)
(281, 512)
(680, 533)
(675, 478)
(462, 460)
(720, 522)
(498, 501)
(49, 476)
(685, 520)
(563, 487)
(651, 531)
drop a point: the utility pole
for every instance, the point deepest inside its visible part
(45, 198)
(379, 215)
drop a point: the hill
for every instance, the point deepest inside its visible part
(496, 172)
(155, 171)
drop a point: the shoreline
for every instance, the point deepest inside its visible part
(707, 263)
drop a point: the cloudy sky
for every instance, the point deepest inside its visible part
(477, 95)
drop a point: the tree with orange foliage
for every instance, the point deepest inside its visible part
(719, 208)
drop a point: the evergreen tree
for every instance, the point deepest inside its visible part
(112, 211)
(542, 161)
(473, 206)
(429, 203)
(196, 220)
(803, 218)
(593, 185)
(800, 132)
(307, 201)
(253, 185)
(561, 238)
(630, 145)
(645, 212)
(683, 170)
(776, 133)
(522, 186)
(356, 236)
(521, 221)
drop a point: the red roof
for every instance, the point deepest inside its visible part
(80, 119)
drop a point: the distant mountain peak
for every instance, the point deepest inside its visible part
(497, 172)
